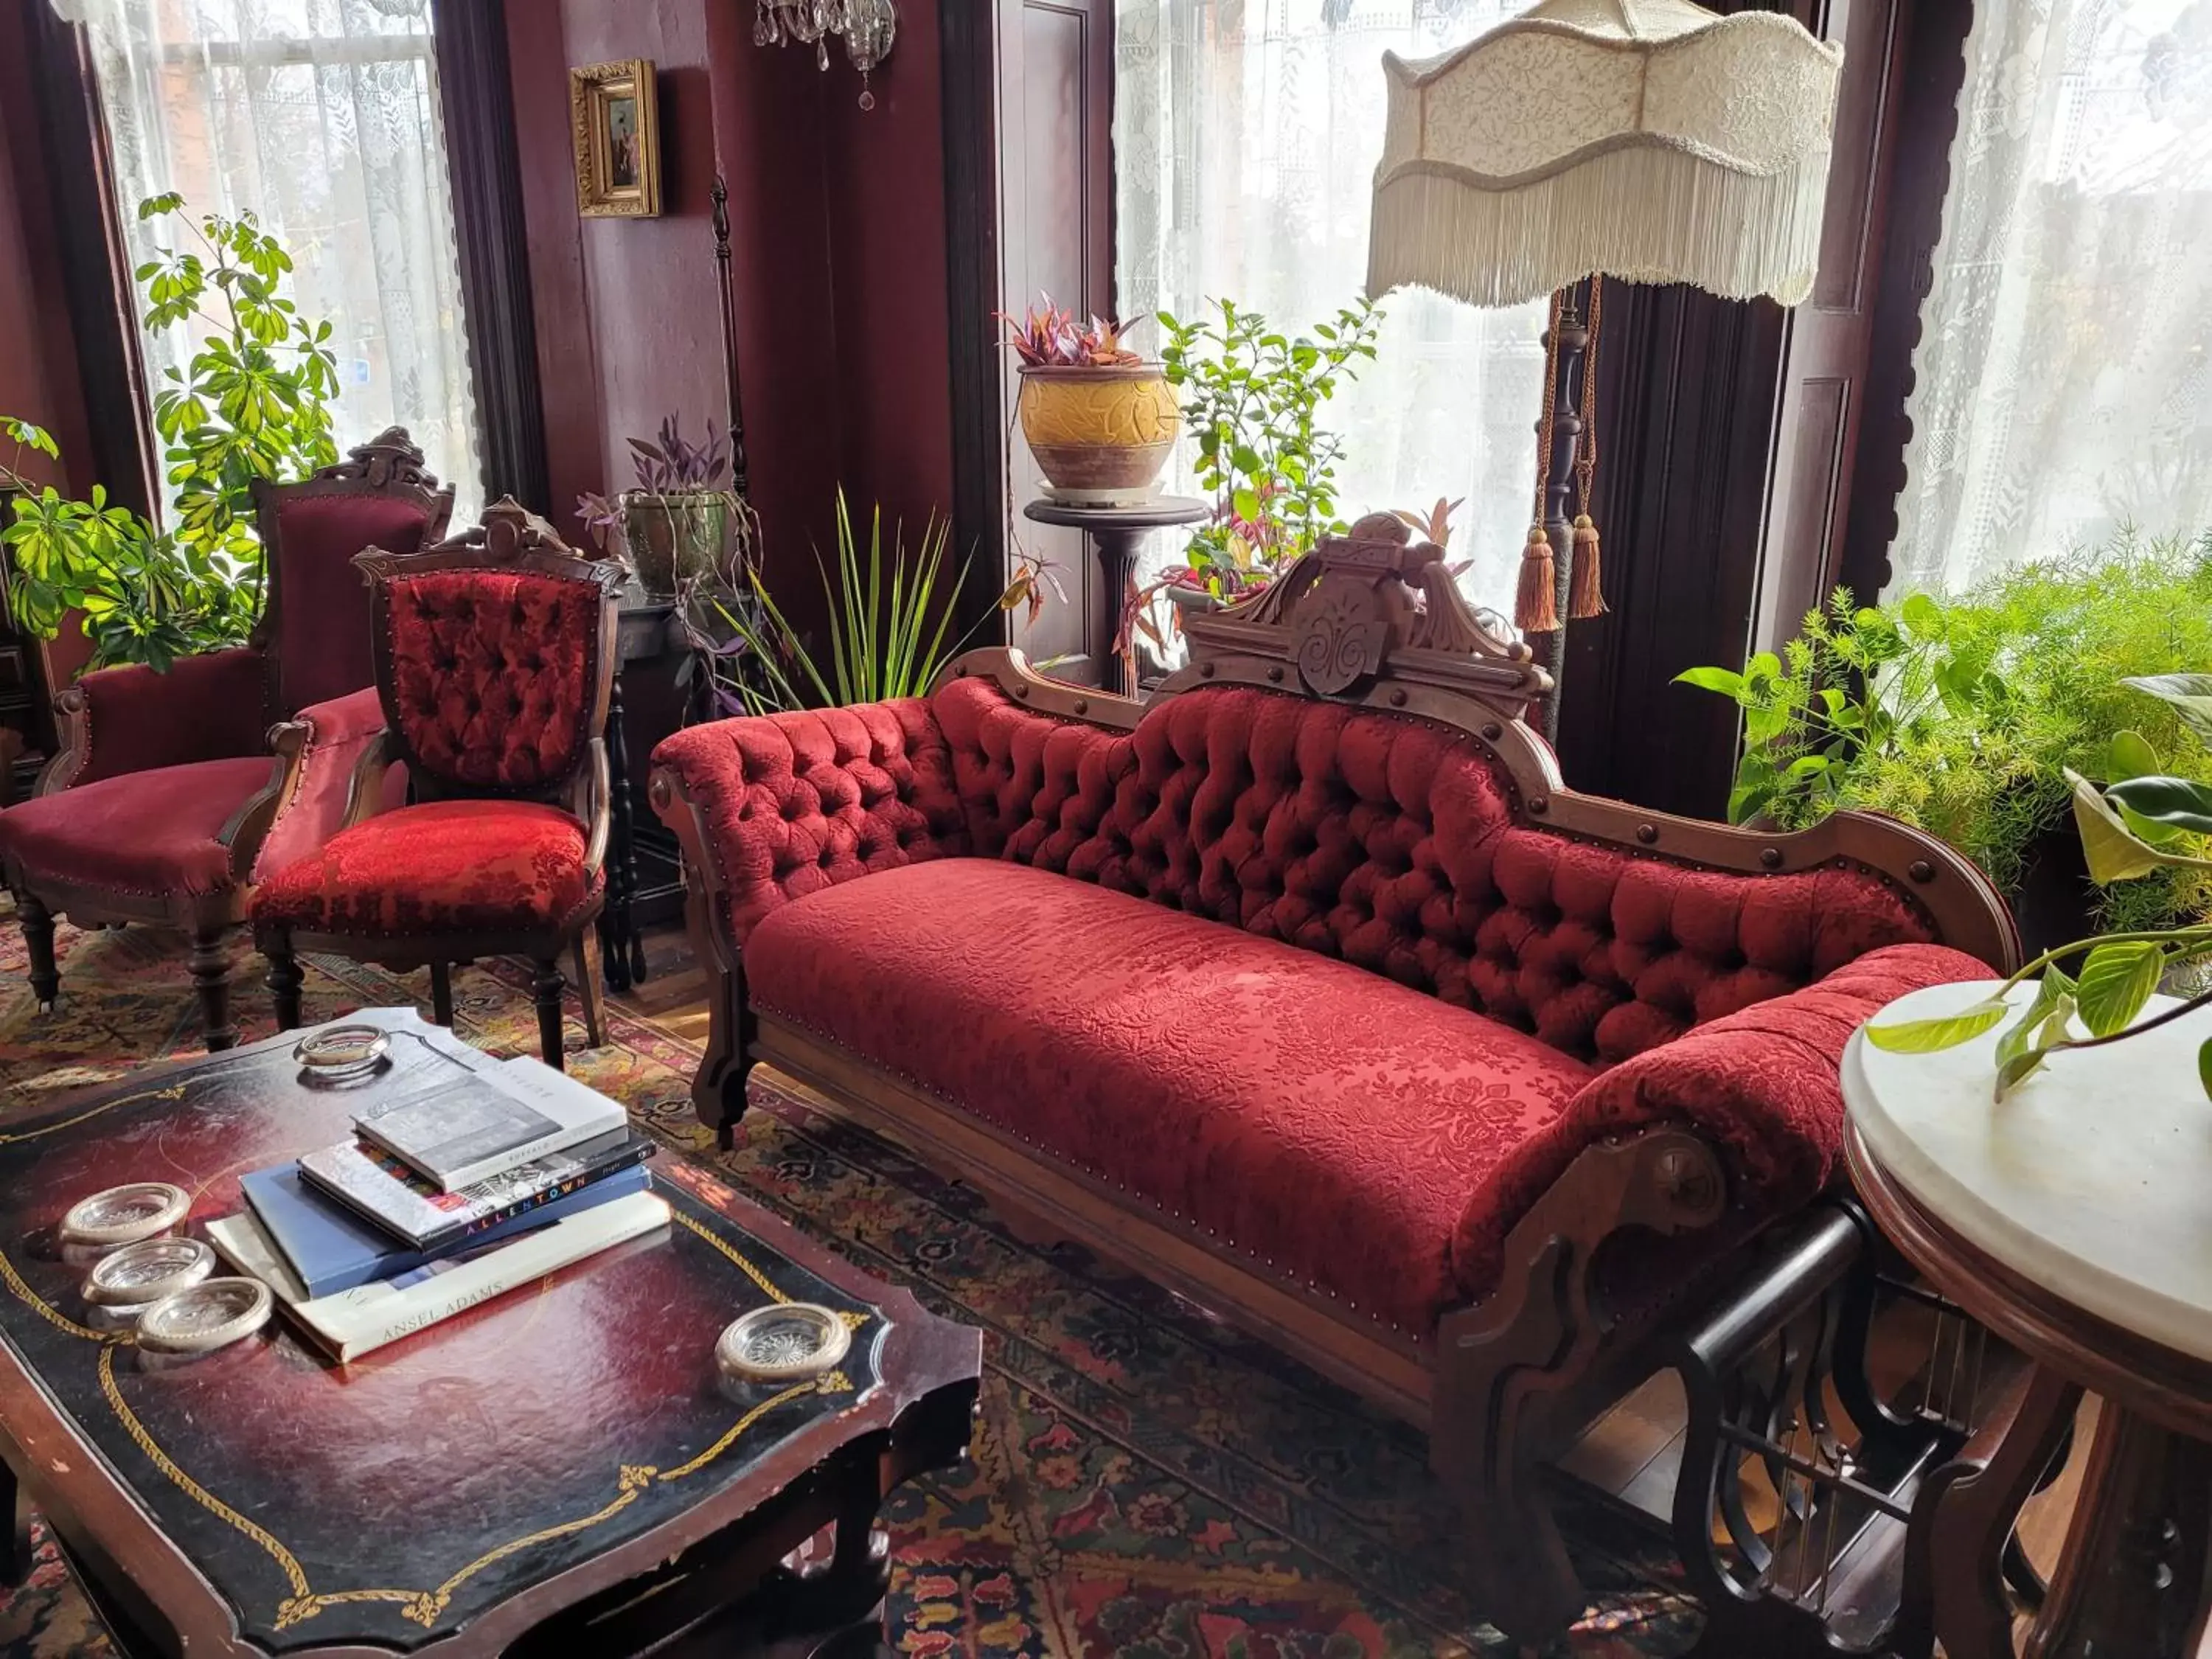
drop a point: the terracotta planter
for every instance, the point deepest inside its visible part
(674, 535)
(1099, 433)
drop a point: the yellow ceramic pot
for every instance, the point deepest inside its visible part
(1099, 431)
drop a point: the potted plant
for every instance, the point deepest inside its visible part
(2132, 827)
(678, 521)
(252, 403)
(1963, 715)
(1252, 397)
(1100, 420)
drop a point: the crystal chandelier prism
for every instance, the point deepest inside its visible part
(868, 27)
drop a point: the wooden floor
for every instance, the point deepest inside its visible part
(674, 995)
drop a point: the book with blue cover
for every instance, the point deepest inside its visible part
(332, 1247)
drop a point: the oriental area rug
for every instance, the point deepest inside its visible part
(1146, 1482)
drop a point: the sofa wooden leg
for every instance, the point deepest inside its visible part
(39, 945)
(284, 981)
(211, 970)
(546, 988)
(442, 994)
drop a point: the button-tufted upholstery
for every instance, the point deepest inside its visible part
(491, 673)
(1145, 1001)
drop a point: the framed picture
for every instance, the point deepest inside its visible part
(618, 134)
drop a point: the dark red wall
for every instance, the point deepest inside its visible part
(838, 262)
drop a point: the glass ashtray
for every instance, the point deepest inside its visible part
(339, 1052)
(783, 1343)
(212, 1314)
(123, 1215)
(148, 1271)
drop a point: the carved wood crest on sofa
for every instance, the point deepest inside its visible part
(1307, 989)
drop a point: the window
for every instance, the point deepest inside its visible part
(321, 116)
(1246, 137)
(2064, 373)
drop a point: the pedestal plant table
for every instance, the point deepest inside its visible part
(1118, 531)
(2075, 1220)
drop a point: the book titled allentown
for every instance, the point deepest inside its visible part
(376, 1185)
(474, 1122)
(362, 1320)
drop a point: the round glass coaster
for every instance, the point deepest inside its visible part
(123, 1215)
(148, 1271)
(212, 1314)
(782, 1344)
(338, 1053)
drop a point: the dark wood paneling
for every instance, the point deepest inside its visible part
(1831, 336)
(1055, 90)
(971, 206)
(476, 91)
(1932, 70)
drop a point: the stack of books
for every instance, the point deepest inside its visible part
(467, 1177)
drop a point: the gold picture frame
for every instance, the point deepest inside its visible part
(617, 134)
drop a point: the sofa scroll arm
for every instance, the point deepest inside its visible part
(1511, 1369)
(718, 1088)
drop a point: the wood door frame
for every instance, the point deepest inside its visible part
(968, 41)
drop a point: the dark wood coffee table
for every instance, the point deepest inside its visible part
(562, 1471)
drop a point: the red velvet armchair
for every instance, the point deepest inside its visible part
(1309, 990)
(494, 662)
(174, 793)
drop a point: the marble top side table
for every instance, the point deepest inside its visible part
(2075, 1220)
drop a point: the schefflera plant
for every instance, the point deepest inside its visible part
(2142, 819)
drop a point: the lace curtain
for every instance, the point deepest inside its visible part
(322, 117)
(1245, 137)
(2064, 372)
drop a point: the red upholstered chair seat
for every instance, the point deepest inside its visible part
(1311, 1114)
(475, 865)
(149, 832)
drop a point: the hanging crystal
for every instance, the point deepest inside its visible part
(868, 29)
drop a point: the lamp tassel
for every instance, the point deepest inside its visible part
(1587, 597)
(1536, 610)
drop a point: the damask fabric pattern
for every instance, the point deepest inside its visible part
(322, 117)
(1315, 1118)
(323, 648)
(491, 671)
(2063, 383)
(490, 867)
(1269, 119)
(214, 706)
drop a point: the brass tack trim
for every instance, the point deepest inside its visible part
(1921, 870)
(1769, 858)
(1647, 833)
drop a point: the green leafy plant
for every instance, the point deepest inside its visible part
(252, 401)
(250, 404)
(1963, 714)
(2132, 827)
(1251, 397)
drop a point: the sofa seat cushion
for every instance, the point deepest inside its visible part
(150, 832)
(1322, 1120)
(492, 866)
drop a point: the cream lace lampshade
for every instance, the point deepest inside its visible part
(1650, 139)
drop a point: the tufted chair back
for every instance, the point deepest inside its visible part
(1389, 842)
(495, 660)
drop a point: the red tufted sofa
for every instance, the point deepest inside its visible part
(1307, 989)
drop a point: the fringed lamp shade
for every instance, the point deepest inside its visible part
(1649, 139)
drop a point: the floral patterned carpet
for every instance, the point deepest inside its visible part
(1147, 1483)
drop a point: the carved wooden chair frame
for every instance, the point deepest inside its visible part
(1375, 621)
(509, 539)
(388, 465)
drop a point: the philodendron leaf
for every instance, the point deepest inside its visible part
(2205, 1068)
(1927, 1036)
(2189, 694)
(2116, 982)
(2128, 755)
(2054, 989)
(2113, 852)
(2176, 803)
(2038, 1043)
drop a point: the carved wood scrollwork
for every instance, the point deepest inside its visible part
(1369, 605)
(388, 460)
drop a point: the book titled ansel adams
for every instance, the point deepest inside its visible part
(483, 1121)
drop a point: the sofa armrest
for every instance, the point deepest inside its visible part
(338, 755)
(118, 721)
(1762, 1085)
(773, 807)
